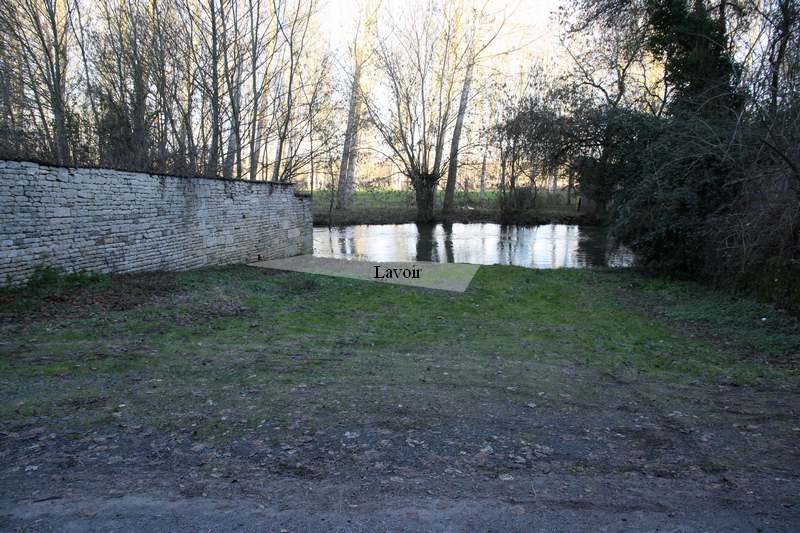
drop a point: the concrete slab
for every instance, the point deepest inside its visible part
(444, 276)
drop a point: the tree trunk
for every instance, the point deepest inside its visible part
(424, 190)
(254, 126)
(483, 171)
(233, 153)
(452, 167)
(59, 91)
(139, 112)
(213, 151)
(352, 164)
(349, 152)
(503, 158)
(277, 175)
(311, 153)
(570, 187)
(776, 55)
(60, 130)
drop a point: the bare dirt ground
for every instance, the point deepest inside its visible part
(198, 407)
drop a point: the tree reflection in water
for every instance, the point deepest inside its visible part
(546, 246)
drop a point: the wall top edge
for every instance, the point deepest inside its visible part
(120, 169)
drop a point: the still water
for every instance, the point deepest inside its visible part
(546, 246)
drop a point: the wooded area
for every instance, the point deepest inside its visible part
(678, 118)
(681, 120)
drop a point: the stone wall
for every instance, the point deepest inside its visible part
(103, 220)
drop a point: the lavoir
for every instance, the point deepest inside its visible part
(396, 273)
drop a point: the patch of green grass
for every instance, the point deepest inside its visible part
(743, 323)
(47, 284)
(569, 315)
(248, 341)
(48, 279)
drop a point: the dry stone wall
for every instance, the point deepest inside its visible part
(104, 220)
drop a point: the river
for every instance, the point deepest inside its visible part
(545, 246)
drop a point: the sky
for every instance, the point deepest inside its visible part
(529, 30)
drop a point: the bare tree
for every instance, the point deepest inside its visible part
(263, 48)
(360, 51)
(417, 58)
(480, 32)
(347, 165)
(452, 168)
(293, 32)
(41, 30)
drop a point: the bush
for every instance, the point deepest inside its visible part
(49, 279)
(702, 197)
(517, 200)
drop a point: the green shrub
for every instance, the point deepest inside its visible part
(50, 279)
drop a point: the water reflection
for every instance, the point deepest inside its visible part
(426, 244)
(547, 246)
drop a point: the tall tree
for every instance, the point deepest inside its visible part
(480, 29)
(359, 51)
(294, 32)
(42, 32)
(416, 56)
(452, 167)
(348, 162)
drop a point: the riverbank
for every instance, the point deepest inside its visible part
(534, 217)
(562, 399)
(397, 207)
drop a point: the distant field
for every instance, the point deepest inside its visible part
(389, 206)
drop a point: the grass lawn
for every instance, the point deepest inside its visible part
(532, 389)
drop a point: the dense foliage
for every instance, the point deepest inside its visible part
(707, 183)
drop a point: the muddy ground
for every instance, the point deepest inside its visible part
(243, 400)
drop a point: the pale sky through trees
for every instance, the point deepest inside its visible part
(293, 90)
(259, 89)
(529, 32)
(523, 33)
(253, 88)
